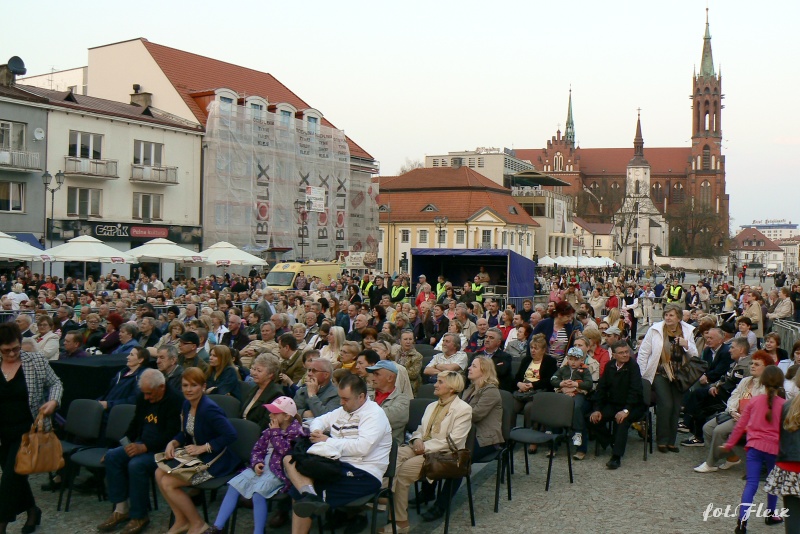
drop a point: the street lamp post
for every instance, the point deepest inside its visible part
(521, 229)
(47, 178)
(303, 208)
(439, 222)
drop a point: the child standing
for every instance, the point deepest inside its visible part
(265, 477)
(761, 420)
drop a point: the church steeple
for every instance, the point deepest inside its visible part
(707, 62)
(569, 134)
(638, 145)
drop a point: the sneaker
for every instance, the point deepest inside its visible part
(705, 468)
(577, 440)
(728, 464)
(683, 429)
(693, 442)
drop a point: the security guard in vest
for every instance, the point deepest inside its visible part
(674, 293)
(440, 286)
(365, 285)
(477, 288)
(398, 293)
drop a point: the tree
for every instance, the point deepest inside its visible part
(410, 165)
(600, 203)
(695, 231)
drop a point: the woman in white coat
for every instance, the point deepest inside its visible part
(663, 350)
(46, 340)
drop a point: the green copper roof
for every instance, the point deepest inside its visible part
(707, 63)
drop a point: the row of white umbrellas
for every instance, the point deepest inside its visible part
(89, 249)
(576, 261)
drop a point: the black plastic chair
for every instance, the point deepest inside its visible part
(246, 388)
(470, 445)
(425, 391)
(119, 419)
(247, 433)
(554, 412)
(646, 422)
(416, 410)
(230, 405)
(425, 350)
(84, 420)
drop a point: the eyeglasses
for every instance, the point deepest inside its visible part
(11, 350)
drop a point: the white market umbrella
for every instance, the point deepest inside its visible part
(547, 261)
(12, 248)
(86, 249)
(223, 253)
(165, 250)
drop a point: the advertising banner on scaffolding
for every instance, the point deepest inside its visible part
(276, 183)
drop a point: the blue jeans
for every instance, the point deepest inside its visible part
(755, 459)
(129, 478)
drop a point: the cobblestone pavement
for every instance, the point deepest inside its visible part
(662, 495)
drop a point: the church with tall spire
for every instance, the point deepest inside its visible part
(685, 186)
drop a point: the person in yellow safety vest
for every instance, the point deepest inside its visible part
(398, 291)
(406, 283)
(477, 288)
(364, 285)
(440, 286)
(674, 293)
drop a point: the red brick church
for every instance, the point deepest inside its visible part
(687, 184)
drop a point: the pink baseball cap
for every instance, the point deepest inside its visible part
(282, 405)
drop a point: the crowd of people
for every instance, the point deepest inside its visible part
(328, 371)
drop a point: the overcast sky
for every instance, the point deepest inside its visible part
(405, 79)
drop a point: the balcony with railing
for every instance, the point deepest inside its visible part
(95, 168)
(154, 175)
(19, 160)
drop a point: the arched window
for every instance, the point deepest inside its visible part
(705, 193)
(594, 187)
(558, 162)
(706, 158)
(636, 187)
(678, 194)
(658, 193)
(615, 186)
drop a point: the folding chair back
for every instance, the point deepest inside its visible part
(647, 392)
(416, 409)
(230, 405)
(84, 419)
(425, 350)
(246, 388)
(247, 433)
(509, 414)
(552, 410)
(118, 421)
(425, 391)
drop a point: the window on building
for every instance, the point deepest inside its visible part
(480, 163)
(286, 117)
(405, 236)
(12, 197)
(83, 202)
(85, 145)
(147, 206)
(226, 104)
(636, 187)
(442, 237)
(594, 187)
(615, 186)
(678, 194)
(558, 162)
(423, 236)
(460, 237)
(379, 265)
(658, 193)
(380, 236)
(706, 157)
(313, 124)
(147, 153)
(12, 135)
(486, 237)
(598, 242)
(512, 239)
(705, 194)
(505, 239)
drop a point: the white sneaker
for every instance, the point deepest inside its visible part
(728, 465)
(705, 468)
(577, 440)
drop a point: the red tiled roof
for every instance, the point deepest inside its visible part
(190, 73)
(748, 235)
(439, 179)
(104, 107)
(457, 194)
(615, 160)
(594, 228)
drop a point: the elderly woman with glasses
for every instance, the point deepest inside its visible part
(448, 416)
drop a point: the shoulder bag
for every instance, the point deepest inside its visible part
(39, 452)
(183, 465)
(452, 463)
(690, 372)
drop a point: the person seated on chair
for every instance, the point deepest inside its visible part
(264, 478)
(167, 363)
(129, 467)
(449, 416)
(318, 395)
(575, 380)
(222, 377)
(73, 342)
(360, 431)
(451, 359)
(389, 397)
(206, 433)
(618, 398)
(534, 373)
(493, 350)
(483, 395)
(264, 370)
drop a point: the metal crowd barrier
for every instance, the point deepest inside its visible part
(789, 332)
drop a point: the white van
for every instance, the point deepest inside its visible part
(282, 276)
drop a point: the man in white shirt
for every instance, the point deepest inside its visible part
(451, 359)
(360, 433)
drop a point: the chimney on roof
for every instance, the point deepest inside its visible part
(140, 98)
(456, 163)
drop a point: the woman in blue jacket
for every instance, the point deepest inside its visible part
(223, 377)
(124, 387)
(205, 433)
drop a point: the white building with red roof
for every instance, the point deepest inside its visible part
(752, 248)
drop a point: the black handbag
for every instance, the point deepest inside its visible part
(690, 372)
(452, 463)
(317, 468)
